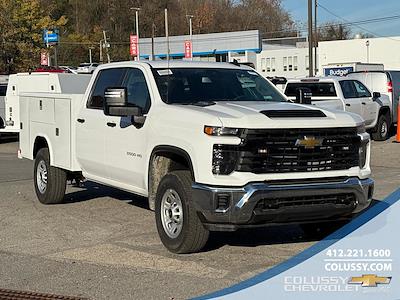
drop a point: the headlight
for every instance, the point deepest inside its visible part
(224, 159)
(363, 152)
(221, 131)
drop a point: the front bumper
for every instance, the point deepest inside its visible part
(259, 204)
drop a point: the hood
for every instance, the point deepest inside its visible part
(259, 114)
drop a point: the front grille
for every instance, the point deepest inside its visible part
(282, 151)
(339, 200)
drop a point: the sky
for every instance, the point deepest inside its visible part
(352, 10)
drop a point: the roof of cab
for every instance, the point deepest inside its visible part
(177, 64)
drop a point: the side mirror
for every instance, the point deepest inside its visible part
(303, 96)
(376, 95)
(116, 103)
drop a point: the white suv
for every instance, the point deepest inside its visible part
(347, 94)
(87, 68)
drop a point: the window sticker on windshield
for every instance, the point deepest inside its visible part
(164, 72)
(252, 73)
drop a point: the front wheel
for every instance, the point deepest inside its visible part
(178, 225)
(50, 182)
(381, 130)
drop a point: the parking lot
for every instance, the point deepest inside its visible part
(103, 243)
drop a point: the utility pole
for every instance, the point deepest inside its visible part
(315, 37)
(153, 29)
(106, 45)
(90, 54)
(137, 9)
(101, 51)
(166, 31)
(190, 34)
(310, 40)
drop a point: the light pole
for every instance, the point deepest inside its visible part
(137, 9)
(367, 44)
(166, 31)
(310, 39)
(190, 17)
(90, 54)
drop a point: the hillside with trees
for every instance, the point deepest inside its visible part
(81, 24)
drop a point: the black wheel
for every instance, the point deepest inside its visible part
(50, 182)
(178, 225)
(382, 128)
(321, 230)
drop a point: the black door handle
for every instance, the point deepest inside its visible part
(363, 103)
(347, 104)
(81, 120)
(111, 124)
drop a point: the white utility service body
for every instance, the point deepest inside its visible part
(40, 82)
(187, 157)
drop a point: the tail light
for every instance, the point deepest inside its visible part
(390, 87)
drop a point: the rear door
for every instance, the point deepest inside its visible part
(350, 95)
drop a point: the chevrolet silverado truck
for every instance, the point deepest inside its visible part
(214, 147)
(351, 95)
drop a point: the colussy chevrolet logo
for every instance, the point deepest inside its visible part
(370, 280)
(309, 142)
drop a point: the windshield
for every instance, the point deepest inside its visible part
(192, 85)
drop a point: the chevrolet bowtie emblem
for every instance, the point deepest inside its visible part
(309, 142)
(370, 280)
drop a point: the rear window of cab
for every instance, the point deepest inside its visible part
(318, 89)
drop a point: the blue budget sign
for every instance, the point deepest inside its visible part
(338, 71)
(50, 36)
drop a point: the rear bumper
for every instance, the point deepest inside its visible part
(259, 204)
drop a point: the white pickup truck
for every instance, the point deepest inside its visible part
(347, 94)
(214, 147)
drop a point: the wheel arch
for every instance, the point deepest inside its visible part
(42, 141)
(164, 159)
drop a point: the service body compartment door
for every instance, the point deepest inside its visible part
(25, 143)
(62, 134)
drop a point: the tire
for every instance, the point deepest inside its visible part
(321, 230)
(382, 129)
(49, 189)
(186, 233)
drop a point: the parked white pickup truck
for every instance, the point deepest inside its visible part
(214, 147)
(347, 94)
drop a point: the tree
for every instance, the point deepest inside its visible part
(21, 26)
(334, 31)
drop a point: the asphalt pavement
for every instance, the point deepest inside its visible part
(103, 243)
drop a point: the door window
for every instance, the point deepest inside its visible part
(138, 92)
(361, 90)
(348, 89)
(105, 79)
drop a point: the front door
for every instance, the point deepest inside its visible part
(351, 100)
(91, 125)
(368, 106)
(126, 138)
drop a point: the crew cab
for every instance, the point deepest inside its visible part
(350, 95)
(214, 147)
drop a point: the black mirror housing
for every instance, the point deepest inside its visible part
(116, 103)
(303, 96)
(376, 95)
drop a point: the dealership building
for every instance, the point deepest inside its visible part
(280, 57)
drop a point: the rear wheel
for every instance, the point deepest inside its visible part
(50, 182)
(178, 225)
(381, 130)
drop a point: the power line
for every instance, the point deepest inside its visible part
(356, 24)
